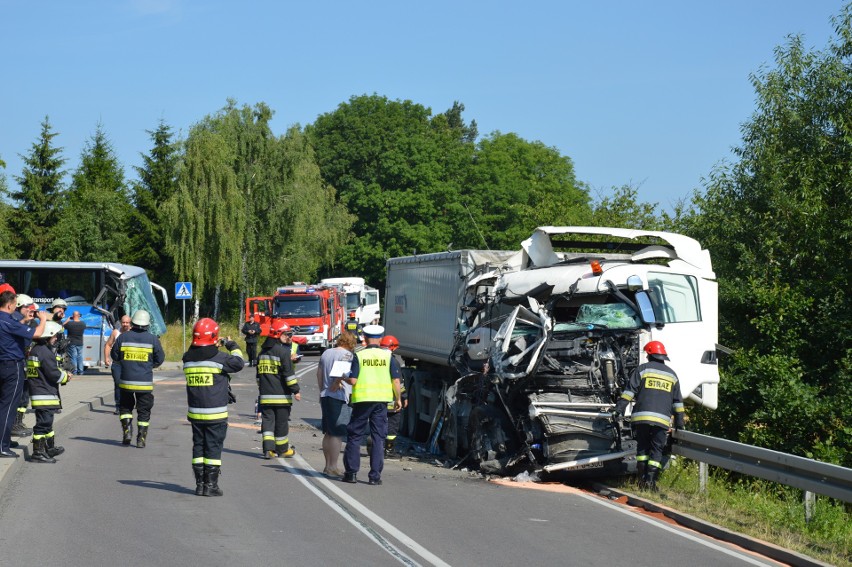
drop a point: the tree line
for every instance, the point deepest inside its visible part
(238, 210)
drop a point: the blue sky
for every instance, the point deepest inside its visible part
(647, 93)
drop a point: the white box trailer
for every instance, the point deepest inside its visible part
(424, 296)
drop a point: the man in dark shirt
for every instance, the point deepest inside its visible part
(14, 338)
(252, 332)
(75, 328)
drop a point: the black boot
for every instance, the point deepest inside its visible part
(141, 436)
(126, 430)
(211, 481)
(40, 452)
(640, 473)
(389, 443)
(651, 478)
(52, 449)
(199, 479)
(18, 428)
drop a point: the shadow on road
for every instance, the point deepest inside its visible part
(101, 441)
(168, 486)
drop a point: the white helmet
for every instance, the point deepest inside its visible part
(24, 300)
(141, 318)
(52, 328)
(58, 302)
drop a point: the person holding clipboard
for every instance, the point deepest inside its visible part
(335, 364)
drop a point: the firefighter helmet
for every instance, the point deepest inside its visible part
(205, 332)
(51, 329)
(279, 327)
(25, 300)
(141, 318)
(656, 348)
(58, 302)
(389, 342)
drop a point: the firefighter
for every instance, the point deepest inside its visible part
(139, 353)
(353, 326)
(44, 376)
(374, 378)
(655, 389)
(278, 386)
(208, 394)
(390, 343)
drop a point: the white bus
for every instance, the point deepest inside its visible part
(101, 291)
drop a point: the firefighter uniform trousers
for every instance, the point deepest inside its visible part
(277, 383)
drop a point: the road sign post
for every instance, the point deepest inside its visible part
(183, 291)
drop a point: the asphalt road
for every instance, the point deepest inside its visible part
(106, 504)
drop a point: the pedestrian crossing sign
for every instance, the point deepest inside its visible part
(183, 290)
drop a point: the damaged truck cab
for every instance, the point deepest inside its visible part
(516, 358)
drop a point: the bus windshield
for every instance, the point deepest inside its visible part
(110, 289)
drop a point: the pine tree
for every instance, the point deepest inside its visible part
(157, 182)
(40, 198)
(93, 225)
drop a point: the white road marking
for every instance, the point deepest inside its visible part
(337, 506)
(679, 532)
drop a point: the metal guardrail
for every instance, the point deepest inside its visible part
(806, 474)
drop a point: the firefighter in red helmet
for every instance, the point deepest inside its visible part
(391, 343)
(278, 387)
(208, 394)
(655, 391)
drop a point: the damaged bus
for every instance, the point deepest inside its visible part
(515, 359)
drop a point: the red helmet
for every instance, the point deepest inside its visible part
(278, 328)
(389, 342)
(657, 348)
(205, 332)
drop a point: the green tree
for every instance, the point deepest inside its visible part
(202, 223)
(7, 248)
(157, 182)
(398, 171)
(40, 197)
(93, 222)
(515, 186)
(778, 224)
(293, 222)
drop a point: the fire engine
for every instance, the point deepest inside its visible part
(315, 312)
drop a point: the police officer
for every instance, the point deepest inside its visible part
(655, 389)
(14, 338)
(206, 370)
(391, 343)
(44, 376)
(278, 387)
(252, 332)
(138, 352)
(374, 378)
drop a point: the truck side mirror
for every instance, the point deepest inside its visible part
(646, 308)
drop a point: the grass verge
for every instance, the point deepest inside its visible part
(173, 339)
(760, 509)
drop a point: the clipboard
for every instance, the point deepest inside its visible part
(340, 368)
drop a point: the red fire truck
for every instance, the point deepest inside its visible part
(315, 312)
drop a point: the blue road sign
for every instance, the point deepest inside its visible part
(183, 290)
